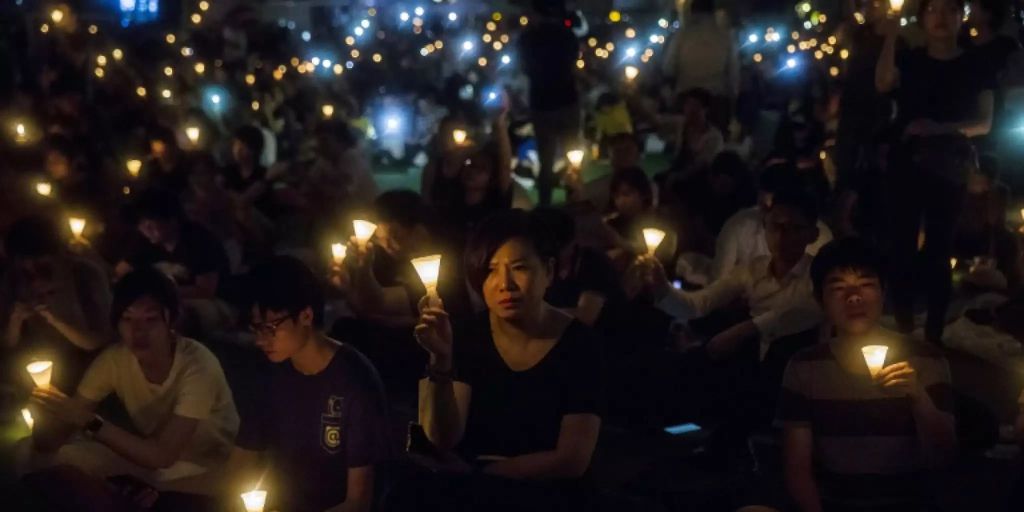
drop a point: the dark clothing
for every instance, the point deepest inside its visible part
(945, 91)
(316, 427)
(391, 272)
(992, 58)
(155, 177)
(519, 412)
(198, 252)
(549, 52)
(863, 112)
(235, 182)
(590, 271)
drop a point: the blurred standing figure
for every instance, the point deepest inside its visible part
(703, 55)
(549, 49)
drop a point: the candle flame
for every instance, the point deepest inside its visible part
(44, 188)
(874, 356)
(653, 238)
(77, 225)
(134, 166)
(363, 230)
(338, 252)
(459, 136)
(41, 372)
(575, 157)
(428, 268)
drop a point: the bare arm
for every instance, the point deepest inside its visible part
(359, 491)
(79, 336)
(159, 452)
(980, 125)
(570, 458)
(589, 306)
(797, 446)
(443, 409)
(887, 75)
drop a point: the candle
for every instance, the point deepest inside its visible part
(952, 263)
(134, 166)
(44, 188)
(254, 500)
(41, 371)
(575, 158)
(459, 136)
(192, 132)
(653, 238)
(363, 230)
(27, 416)
(338, 252)
(896, 5)
(20, 132)
(327, 110)
(631, 72)
(428, 268)
(874, 356)
(1022, 213)
(77, 226)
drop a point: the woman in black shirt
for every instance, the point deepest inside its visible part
(942, 100)
(516, 391)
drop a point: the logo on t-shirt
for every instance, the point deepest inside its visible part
(330, 425)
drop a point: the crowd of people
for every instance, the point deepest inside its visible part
(203, 245)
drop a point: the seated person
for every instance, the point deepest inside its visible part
(165, 168)
(52, 301)
(776, 288)
(699, 140)
(181, 413)
(981, 227)
(517, 391)
(184, 250)
(322, 426)
(632, 210)
(743, 238)
(245, 179)
(855, 440)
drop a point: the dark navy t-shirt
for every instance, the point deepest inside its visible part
(316, 427)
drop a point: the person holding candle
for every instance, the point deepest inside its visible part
(632, 208)
(52, 301)
(322, 421)
(172, 388)
(853, 441)
(515, 392)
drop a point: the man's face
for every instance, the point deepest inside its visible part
(280, 335)
(942, 19)
(788, 232)
(145, 328)
(852, 301)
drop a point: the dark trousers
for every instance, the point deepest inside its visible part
(926, 190)
(557, 131)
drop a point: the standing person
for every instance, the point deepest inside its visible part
(549, 49)
(323, 421)
(942, 100)
(993, 50)
(704, 55)
(854, 441)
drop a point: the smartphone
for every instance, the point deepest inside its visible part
(682, 428)
(492, 97)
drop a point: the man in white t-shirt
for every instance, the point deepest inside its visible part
(173, 389)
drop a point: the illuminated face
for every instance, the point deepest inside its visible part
(145, 328)
(942, 19)
(852, 301)
(279, 334)
(516, 280)
(788, 233)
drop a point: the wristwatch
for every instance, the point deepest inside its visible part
(94, 426)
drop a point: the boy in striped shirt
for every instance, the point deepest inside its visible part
(853, 442)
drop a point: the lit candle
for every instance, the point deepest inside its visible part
(77, 225)
(363, 230)
(134, 166)
(631, 72)
(27, 416)
(254, 500)
(1022, 213)
(874, 356)
(57, 16)
(338, 252)
(952, 263)
(192, 132)
(41, 371)
(327, 110)
(575, 158)
(428, 268)
(459, 136)
(896, 5)
(20, 133)
(44, 188)
(653, 238)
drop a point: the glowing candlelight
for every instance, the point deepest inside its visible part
(192, 132)
(1022, 213)
(44, 188)
(77, 225)
(653, 238)
(338, 252)
(327, 110)
(20, 132)
(363, 230)
(428, 268)
(254, 500)
(631, 72)
(459, 136)
(41, 371)
(57, 16)
(575, 158)
(134, 166)
(896, 5)
(27, 416)
(952, 263)
(874, 356)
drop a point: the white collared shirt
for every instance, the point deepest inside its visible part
(742, 240)
(778, 307)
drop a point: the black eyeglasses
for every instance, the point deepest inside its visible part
(269, 329)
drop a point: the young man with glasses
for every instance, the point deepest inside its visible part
(322, 422)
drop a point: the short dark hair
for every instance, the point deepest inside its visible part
(33, 237)
(560, 223)
(252, 138)
(923, 7)
(636, 178)
(999, 10)
(798, 199)
(283, 283)
(403, 207)
(700, 95)
(157, 204)
(498, 229)
(730, 163)
(144, 282)
(849, 253)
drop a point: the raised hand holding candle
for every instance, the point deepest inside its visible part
(77, 225)
(254, 500)
(653, 238)
(363, 230)
(428, 268)
(338, 252)
(41, 372)
(874, 356)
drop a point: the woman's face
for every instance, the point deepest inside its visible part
(628, 201)
(942, 19)
(516, 280)
(476, 174)
(145, 328)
